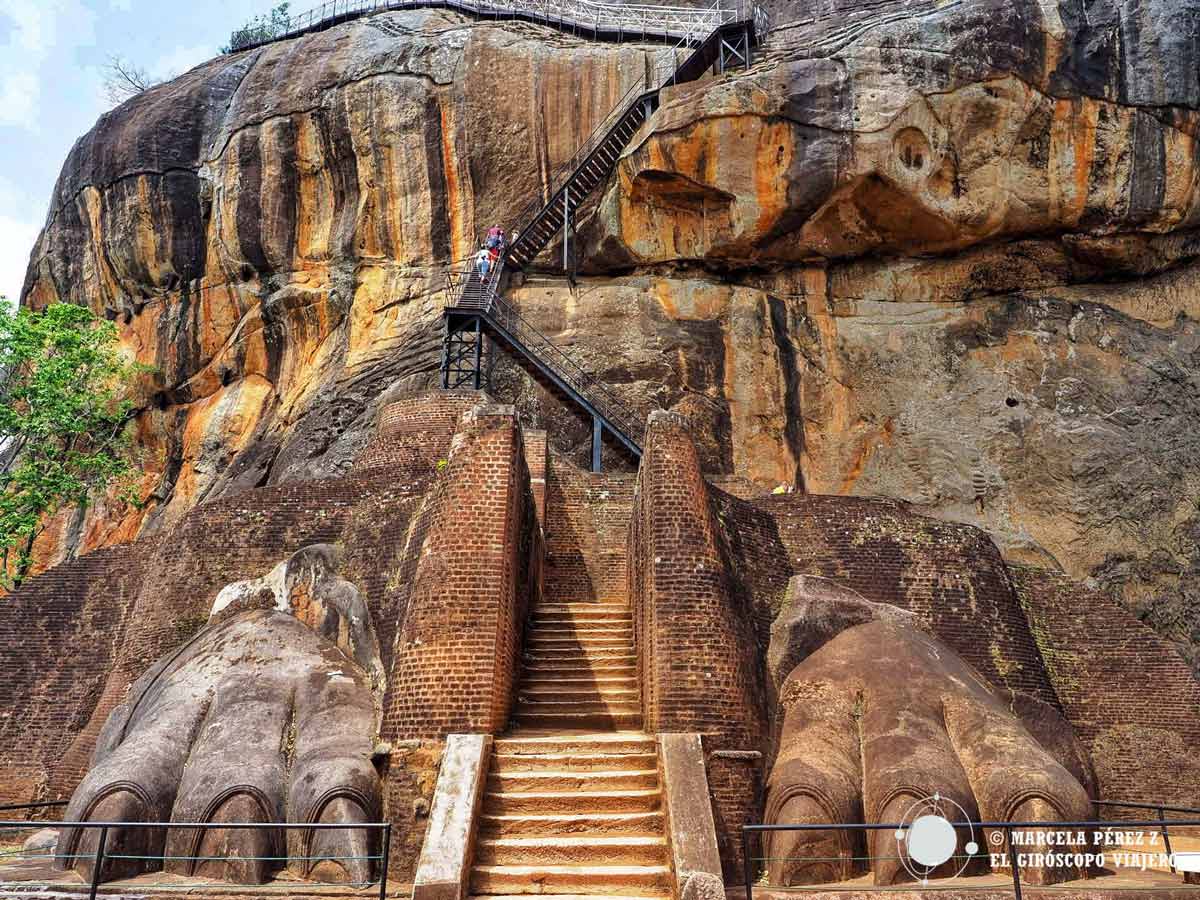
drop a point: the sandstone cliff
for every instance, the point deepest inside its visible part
(937, 252)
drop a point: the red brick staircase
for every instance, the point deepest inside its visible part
(573, 803)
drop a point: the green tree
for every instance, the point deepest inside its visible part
(260, 29)
(65, 410)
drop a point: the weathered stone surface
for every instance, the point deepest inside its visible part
(884, 717)
(937, 252)
(265, 715)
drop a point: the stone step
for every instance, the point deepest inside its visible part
(571, 851)
(547, 780)
(564, 668)
(647, 824)
(579, 622)
(574, 762)
(623, 652)
(614, 705)
(641, 881)
(605, 742)
(562, 631)
(617, 615)
(568, 721)
(627, 697)
(598, 607)
(580, 681)
(544, 803)
(537, 643)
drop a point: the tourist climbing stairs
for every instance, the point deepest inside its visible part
(573, 803)
(720, 36)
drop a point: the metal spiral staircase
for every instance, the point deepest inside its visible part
(721, 37)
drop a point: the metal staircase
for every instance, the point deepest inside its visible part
(720, 37)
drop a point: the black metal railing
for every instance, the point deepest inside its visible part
(1162, 809)
(101, 854)
(629, 22)
(989, 846)
(562, 174)
(583, 382)
(470, 291)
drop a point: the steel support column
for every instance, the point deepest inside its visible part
(597, 442)
(462, 352)
(734, 50)
(568, 229)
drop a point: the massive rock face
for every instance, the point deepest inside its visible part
(937, 252)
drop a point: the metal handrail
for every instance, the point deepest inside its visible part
(102, 854)
(607, 403)
(644, 20)
(472, 293)
(561, 176)
(1006, 827)
(664, 74)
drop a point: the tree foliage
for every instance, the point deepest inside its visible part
(266, 27)
(65, 408)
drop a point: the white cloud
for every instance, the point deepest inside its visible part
(16, 241)
(40, 32)
(180, 60)
(19, 99)
(20, 223)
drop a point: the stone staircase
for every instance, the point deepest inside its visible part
(573, 803)
(580, 669)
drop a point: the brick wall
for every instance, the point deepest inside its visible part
(950, 575)
(698, 655)
(60, 634)
(457, 650)
(587, 532)
(1133, 701)
(414, 434)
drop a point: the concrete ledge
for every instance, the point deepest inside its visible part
(444, 869)
(691, 829)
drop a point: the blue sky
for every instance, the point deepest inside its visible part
(52, 54)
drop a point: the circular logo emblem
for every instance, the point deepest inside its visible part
(927, 840)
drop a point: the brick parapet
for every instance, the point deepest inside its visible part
(413, 434)
(457, 651)
(698, 660)
(698, 657)
(1133, 701)
(587, 532)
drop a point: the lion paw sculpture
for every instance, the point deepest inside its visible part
(877, 717)
(268, 714)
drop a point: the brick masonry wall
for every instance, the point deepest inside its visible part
(697, 653)
(60, 634)
(950, 575)
(1133, 701)
(587, 533)
(456, 653)
(414, 434)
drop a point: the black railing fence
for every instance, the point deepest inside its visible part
(470, 290)
(623, 21)
(997, 837)
(102, 854)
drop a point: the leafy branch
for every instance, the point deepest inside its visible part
(65, 412)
